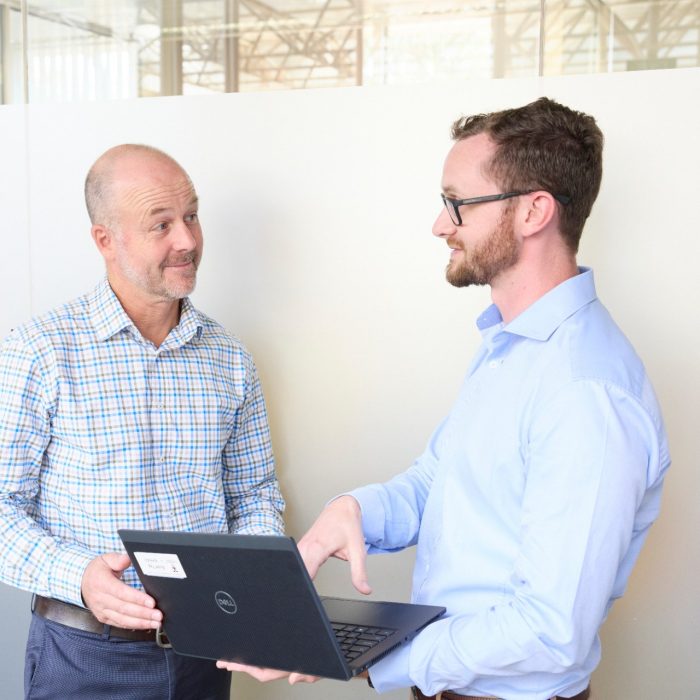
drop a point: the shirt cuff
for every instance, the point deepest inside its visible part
(392, 672)
(372, 513)
(66, 577)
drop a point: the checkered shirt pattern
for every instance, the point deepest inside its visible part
(101, 430)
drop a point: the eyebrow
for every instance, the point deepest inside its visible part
(157, 211)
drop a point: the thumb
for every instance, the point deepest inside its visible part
(117, 561)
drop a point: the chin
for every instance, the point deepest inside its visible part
(177, 293)
(181, 289)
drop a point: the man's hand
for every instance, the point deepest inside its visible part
(266, 674)
(113, 602)
(337, 532)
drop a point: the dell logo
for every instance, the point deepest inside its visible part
(226, 602)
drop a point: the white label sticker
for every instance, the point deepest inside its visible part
(160, 564)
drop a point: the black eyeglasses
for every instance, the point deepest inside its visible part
(453, 205)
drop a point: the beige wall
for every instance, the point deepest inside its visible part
(317, 208)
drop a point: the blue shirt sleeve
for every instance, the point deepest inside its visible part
(30, 556)
(593, 467)
(254, 503)
(392, 512)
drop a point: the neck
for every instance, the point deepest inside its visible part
(154, 317)
(527, 281)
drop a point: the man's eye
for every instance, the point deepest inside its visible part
(161, 227)
(191, 218)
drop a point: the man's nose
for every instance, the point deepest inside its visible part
(443, 226)
(184, 237)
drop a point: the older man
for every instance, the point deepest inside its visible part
(125, 408)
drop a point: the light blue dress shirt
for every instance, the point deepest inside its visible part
(529, 505)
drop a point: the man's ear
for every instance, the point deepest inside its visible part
(104, 240)
(540, 208)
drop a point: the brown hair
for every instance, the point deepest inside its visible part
(544, 145)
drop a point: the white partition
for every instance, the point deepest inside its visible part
(317, 208)
(15, 267)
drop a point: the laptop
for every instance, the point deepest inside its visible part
(249, 599)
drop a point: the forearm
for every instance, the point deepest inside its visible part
(257, 510)
(30, 556)
(392, 512)
(462, 651)
(31, 559)
(254, 503)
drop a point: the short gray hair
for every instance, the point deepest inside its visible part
(98, 183)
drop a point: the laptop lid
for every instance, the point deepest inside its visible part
(249, 598)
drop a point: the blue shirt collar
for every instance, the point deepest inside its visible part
(109, 318)
(543, 317)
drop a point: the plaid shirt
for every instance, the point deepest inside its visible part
(100, 430)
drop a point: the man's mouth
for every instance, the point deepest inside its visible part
(180, 263)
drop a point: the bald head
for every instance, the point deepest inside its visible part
(100, 195)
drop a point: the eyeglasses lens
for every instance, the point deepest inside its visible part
(452, 211)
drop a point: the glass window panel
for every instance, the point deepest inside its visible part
(107, 49)
(11, 63)
(620, 35)
(80, 50)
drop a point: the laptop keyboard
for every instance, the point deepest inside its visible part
(355, 640)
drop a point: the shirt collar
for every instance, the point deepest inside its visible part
(190, 325)
(107, 314)
(109, 318)
(543, 317)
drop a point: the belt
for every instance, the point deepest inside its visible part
(449, 695)
(82, 619)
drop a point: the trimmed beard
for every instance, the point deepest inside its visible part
(482, 263)
(153, 281)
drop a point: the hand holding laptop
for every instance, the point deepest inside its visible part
(249, 600)
(337, 532)
(266, 674)
(111, 601)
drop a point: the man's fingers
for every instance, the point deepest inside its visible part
(337, 532)
(114, 594)
(260, 674)
(357, 556)
(301, 678)
(132, 615)
(135, 622)
(265, 674)
(111, 601)
(116, 561)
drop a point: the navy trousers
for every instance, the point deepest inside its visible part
(63, 662)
